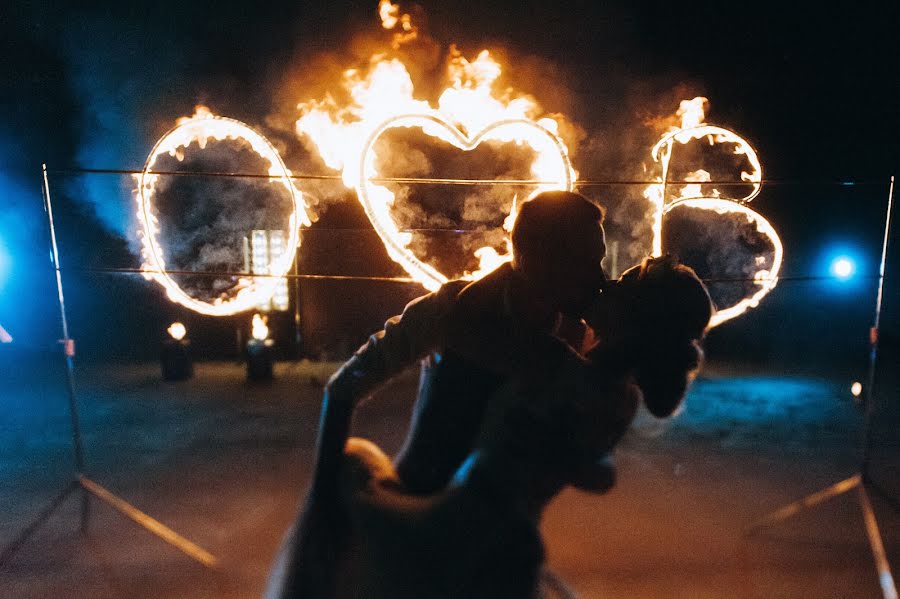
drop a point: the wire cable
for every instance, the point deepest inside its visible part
(455, 181)
(392, 279)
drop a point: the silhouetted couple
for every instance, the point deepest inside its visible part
(518, 398)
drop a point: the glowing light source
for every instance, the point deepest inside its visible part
(691, 195)
(842, 261)
(200, 128)
(260, 330)
(856, 389)
(177, 331)
(843, 267)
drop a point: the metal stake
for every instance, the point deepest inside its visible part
(68, 350)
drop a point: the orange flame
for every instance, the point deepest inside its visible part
(200, 128)
(468, 111)
(390, 17)
(177, 331)
(259, 328)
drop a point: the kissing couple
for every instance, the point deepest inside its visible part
(530, 376)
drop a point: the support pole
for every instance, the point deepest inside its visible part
(298, 337)
(149, 523)
(873, 338)
(68, 349)
(882, 566)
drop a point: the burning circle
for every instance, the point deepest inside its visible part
(200, 128)
(551, 168)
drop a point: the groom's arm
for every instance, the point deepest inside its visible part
(405, 340)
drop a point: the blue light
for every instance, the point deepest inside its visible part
(843, 267)
(5, 264)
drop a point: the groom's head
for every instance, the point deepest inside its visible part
(558, 244)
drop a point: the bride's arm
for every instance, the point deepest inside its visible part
(605, 404)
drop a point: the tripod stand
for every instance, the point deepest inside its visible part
(861, 480)
(80, 482)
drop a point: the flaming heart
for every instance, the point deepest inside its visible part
(691, 196)
(551, 168)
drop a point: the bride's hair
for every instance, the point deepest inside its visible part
(666, 312)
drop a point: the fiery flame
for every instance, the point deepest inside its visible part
(200, 128)
(391, 17)
(693, 127)
(260, 330)
(468, 111)
(177, 331)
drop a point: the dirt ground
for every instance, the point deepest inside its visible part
(225, 463)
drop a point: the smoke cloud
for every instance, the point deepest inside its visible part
(204, 220)
(725, 248)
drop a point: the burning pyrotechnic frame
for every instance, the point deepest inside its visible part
(552, 168)
(693, 128)
(200, 128)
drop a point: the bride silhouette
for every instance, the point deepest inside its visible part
(544, 430)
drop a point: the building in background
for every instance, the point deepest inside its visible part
(263, 249)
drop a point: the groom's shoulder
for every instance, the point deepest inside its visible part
(460, 299)
(435, 306)
(485, 295)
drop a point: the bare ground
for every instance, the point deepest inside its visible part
(225, 464)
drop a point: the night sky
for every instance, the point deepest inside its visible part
(813, 86)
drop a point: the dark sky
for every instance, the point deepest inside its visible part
(814, 86)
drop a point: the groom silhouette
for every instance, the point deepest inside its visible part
(471, 337)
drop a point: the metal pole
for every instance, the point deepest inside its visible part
(873, 336)
(662, 201)
(298, 339)
(68, 348)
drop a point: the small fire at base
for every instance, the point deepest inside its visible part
(175, 358)
(260, 351)
(177, 331)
